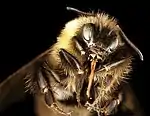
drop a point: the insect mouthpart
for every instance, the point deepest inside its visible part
(93, 58)
(91, 76)
(96, 52)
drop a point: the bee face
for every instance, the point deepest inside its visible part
(98, 41)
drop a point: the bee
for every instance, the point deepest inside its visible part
(85, 69)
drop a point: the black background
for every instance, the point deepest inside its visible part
(29, 28)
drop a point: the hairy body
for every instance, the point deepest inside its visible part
(83, 73)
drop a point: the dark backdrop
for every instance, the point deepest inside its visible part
(29, 28)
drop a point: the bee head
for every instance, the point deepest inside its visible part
(103, 37)
(101, 42)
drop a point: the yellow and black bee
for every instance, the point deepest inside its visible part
(84, 72)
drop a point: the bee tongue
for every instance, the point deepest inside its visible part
(91, 76)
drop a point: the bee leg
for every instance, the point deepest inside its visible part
(70, 61)
(45, 89)
(48, 95)
(73, 64)
(78, 46)
(79, 84)
(112, 107)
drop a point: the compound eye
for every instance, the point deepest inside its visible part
(113, 45)
(88, 32)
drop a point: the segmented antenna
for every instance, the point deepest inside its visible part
(79, 11)
(131, 44)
